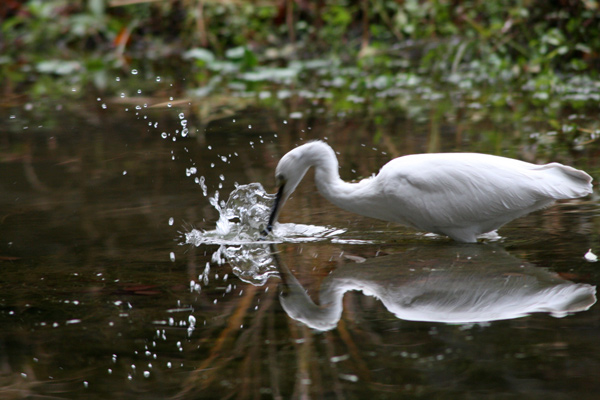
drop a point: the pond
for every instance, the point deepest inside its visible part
(106, 292)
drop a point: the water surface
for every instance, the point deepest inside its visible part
(103, 295)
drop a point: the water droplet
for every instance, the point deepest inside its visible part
(139, 91)
(122, 95)
(118, 79)
(164, 135)
(169, 105)
(158, 79)
(171, 221)
(134, 71)
(249, 126)
(86, 384)
(104, 106)
(191, 171)
(124, 172)
(591, 257)
(202, 184)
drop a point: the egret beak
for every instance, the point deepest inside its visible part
(274, 212)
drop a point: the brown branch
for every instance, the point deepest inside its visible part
(362, 369)
(201, 25)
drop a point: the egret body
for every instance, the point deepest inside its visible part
(460, 195)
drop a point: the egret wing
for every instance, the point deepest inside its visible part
(462, 189)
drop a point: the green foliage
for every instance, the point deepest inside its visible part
(522, 42)
(337, 19)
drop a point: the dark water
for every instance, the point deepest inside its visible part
(100, 297)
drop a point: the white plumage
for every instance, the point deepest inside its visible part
(468, 284)
(461, 195)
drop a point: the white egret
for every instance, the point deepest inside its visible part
(460, 195)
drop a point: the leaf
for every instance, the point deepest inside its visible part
(58, 67)
(199, 54)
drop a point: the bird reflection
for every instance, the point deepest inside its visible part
(452, 284)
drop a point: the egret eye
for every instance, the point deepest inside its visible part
(280, 179)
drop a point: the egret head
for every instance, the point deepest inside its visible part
(289, 172)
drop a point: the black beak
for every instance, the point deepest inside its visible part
(274, 212)
(285, 287)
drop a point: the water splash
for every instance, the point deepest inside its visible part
(251, 263)
(243, 218)
(238, 232)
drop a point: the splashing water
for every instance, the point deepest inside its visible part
(252, 263)
(244, 216)
(238, 232)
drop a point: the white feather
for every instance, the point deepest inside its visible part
(461, 195)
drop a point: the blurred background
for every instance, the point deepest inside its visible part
(124, 122)
(530, 42)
